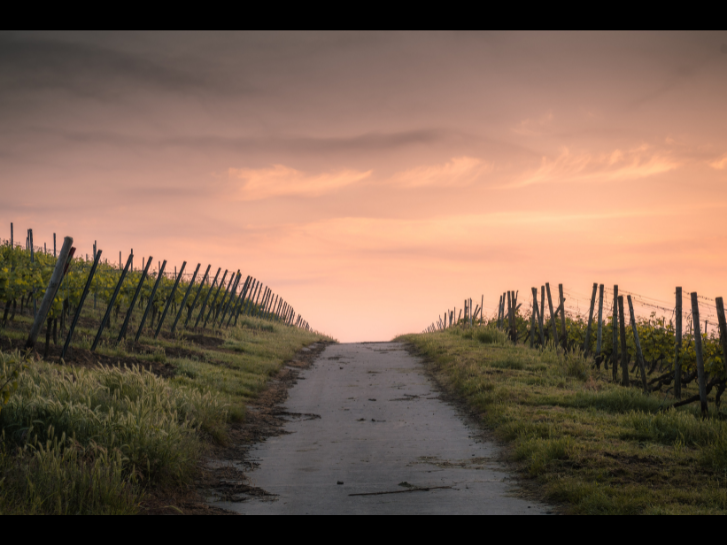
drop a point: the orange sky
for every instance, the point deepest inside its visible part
(376, 179)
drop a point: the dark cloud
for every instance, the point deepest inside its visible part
(38, 63)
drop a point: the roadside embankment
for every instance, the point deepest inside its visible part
(578, 439)
(123, 430)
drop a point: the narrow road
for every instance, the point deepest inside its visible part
(365, 420)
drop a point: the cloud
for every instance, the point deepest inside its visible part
(281, 181)
(618, 165)
(458, 172)
(719, 164)
(534, 127)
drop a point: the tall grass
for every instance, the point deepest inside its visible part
(63, 428)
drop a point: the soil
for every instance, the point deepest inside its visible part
(221, 474)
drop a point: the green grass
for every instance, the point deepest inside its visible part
(93, 441)
(587, 444)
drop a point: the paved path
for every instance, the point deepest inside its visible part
(373, 422)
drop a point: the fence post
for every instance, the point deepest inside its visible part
(231, 297)
(111, 305)
(678, 345)
(129, 312)
(207, 298)
(722, 331)
(562, 316)
(12, 241)
(639, 353)
(227, 301)
(614, 324)
(184, 300)
(239, 302)
(624, 349)
(196, 296)
(214, 301)
(253, 293)
(532, 325)
(698, 350)
(538, 318)
(244, 297)
(151, 300)
(169, 301)
(587, 342)
(50, 293)
(599, 334)
(255, 310)
(552, 314)
(232, 285)
(77, 314)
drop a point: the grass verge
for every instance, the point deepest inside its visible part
(589, 445)
(100, 432)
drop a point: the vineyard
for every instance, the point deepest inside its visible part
(657, 353)
(125, 303)
(115, 380)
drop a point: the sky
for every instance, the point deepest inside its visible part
(375, 180)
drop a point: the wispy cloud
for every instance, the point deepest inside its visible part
(534, 127)
(458, 172)
(618, 165)
(279, 181)
(719, 164)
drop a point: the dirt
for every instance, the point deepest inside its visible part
(81, 357)
(205, 340)
(223, 473)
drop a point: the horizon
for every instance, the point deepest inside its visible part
(374, 180)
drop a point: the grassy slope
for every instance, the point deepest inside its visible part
(80, 440)
(590, 445)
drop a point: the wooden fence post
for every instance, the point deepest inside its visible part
(12, 233)
(699, 353)
(77, 314)
(255, 307)
(587, 342)
(251, 300)
(50, 293)
(227, 298)
(255, 297)
(214, 301)
(244, 308)
(639, 353)
(241, 300)
(151, 300)
(614, 324)
(122, 333)
(234, 298)
(111, 305)
(678, 345)
(532, 324)
(562, 316)
(599, 334)
(722, 331)
(539, 318)
(169, 301)
(624, 349)
(184, 300)
(207, 298)
(196, 297)
(552, 314)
